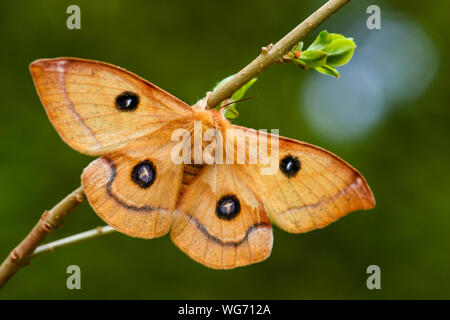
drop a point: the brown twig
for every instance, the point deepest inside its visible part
(50, 220)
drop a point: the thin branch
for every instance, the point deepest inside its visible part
(274, 53)
(94, 233)
(49, 220)
(52, 219)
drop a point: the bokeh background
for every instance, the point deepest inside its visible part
(388, 115)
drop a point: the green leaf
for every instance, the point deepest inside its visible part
(301, 64)
(241, 92)
(323, 39)
(328, 70)
(336, 36)
(297, 47)
(314, 58)
(328, 50)
(340, 51)
(232, 113)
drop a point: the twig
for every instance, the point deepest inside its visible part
(94, 233)
(272, 54)
(50, 220)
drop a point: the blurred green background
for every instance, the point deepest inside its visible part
(387, 115)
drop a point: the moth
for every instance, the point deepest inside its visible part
(218, 214)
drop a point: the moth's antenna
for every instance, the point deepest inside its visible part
(240, 100)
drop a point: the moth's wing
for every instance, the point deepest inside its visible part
(79, 97)
(135, 188)
(222, 243)
(324, 189)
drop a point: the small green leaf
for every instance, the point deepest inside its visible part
(314, 58)
(328, 50)
(241, 92)
(297, 47)
(323, 39)
(232, 113)
(301, 64)
(328, 70)
(336, 36)
(340, 51)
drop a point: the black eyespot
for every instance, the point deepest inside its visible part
(127, 101)
(144, 174)
(228, 207)
(290, 165)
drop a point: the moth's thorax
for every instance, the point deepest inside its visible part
(210, 118)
